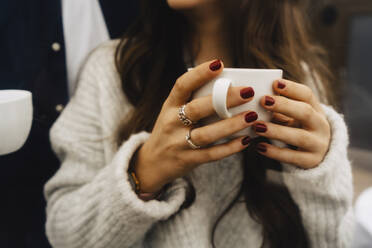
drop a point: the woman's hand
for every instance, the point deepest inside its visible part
(299, 121)
(166, 155)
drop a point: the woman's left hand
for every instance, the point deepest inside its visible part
(299, 121)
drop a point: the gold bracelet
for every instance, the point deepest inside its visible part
(132, 175)
(136, 182)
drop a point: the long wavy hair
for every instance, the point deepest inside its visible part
(262, 34)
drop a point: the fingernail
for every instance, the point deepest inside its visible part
(251, 116)
(216, 65)
(281, 85)
(261, 148)
(269, 101)
(247, 92)
(259, 127)
(246, 141)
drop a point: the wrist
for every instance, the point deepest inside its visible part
(143, 179)
(150, 196)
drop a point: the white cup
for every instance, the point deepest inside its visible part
(15, 119)
(261, 80)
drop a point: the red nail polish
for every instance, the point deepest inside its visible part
(247, 93)
(261, 147)
(269, 101)
(259, 127)
(251, 116)
(281, 85)
(216, 65)
(246, 141)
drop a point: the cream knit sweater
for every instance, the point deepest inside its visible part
(91, 203)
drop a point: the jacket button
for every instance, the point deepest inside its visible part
(59, 108)
(56, 47)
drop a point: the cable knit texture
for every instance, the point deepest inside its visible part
(91, 202)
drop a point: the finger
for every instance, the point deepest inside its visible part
(203, 107)
(193, 80)
(302, 159)
(284, 120)
(301, 111)
(218, 152)
(296, 91)
(221, 129)
(280, 118)
(289, 135)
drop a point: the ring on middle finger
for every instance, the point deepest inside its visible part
(183, 117)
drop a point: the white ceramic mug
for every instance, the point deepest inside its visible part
(15, 119)
(261, 80)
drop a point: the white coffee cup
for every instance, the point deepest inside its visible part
(261, 80)
(15, 119)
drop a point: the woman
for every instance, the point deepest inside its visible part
(242, 193)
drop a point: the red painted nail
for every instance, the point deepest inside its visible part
(259, 127)
(261, 147)
(251, 116)
(247, 92)
(216, 65)
(246, 140)
(269, 101)
(281, 85)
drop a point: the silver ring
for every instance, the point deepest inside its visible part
(182, 116)
(189, 141)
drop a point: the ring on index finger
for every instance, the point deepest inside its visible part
(183, 117)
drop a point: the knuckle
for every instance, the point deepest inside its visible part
(201, 138)
(280, 100)
(323, 145)
(206, 156)
(192, 110)
(323, 121)
(200, 73)
(314, 161)
(167, 124)
(236, 123)
(306, 162)
(308, 111)
(196, 137)
(211, 155)
(179, 85)
(309, 161)
(308, 93)
(170, 146)
(304, 140)
(297, 160)
(233, 148)
(167, 128)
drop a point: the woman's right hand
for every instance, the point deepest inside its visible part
(166, 155)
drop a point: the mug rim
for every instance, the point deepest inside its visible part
(251, 69)
(16, 95)
(245, 69)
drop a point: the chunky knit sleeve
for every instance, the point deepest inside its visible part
(90, 202)
(324, 194)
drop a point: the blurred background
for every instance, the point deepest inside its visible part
(344, 27)
(34, 58)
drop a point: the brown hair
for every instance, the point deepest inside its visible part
(263, 34)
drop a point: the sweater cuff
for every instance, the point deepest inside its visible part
(335, 156)
(172, 198)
